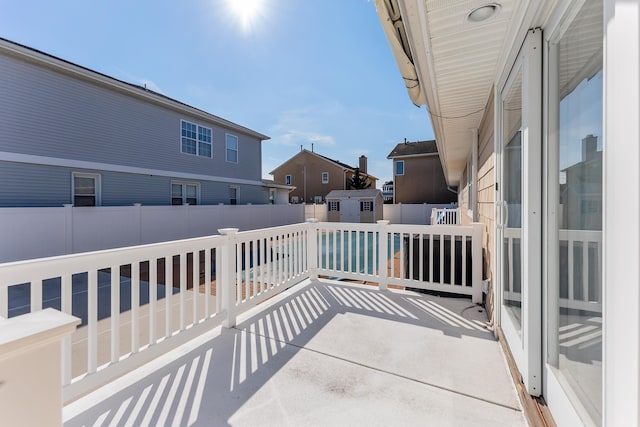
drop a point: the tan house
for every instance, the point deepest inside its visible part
(418, 175)
(363, 206)
(314, 176)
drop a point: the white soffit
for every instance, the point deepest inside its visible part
(457, 64)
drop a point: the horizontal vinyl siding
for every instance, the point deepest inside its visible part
(28, 185)
(47, 113)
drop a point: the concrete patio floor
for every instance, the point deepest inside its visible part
(323, 353)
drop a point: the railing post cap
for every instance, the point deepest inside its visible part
(227, 231)
(312, 220)
(383, 221)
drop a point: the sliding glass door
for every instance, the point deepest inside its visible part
(519, 211)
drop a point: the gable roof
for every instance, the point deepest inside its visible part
(62, 65)
(336, 163)
(418, 148)
(354, 194)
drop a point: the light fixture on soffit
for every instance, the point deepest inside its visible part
(483, 13)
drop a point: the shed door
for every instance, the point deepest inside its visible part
(350, 210)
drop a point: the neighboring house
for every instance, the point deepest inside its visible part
(387, 192)
(364, 206)
(70, 135)
(512, 88)
(314, 176)
(418, 175)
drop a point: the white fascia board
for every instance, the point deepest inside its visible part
(81, 164)
(78, 71)
(412, 155)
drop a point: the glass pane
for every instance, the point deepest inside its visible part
(232, 156)
(512, 197)
(84, 201)
(84, 185)
(578, 340)
(176, 190)
(232, 142)
(192, 190)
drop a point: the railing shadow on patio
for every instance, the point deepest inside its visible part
(210, 383)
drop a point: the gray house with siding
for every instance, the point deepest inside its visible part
(70, 135)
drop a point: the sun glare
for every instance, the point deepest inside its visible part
(246, 11)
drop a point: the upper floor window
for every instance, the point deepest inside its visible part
(195, 139)
(86, 189)
(325, 177)
(366, 206)
(334, 206)
(232, 148)
(183, 193)
(287, 179)
(399, 167)
(317, 200)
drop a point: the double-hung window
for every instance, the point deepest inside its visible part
(183, 193)
(195, 139)
(232, 148)
(86, 189)
(325, 177)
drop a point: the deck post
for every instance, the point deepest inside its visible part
(476, 257)
(227, 282)
(312, 247)
(383, 239)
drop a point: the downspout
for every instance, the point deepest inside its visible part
(474, 173)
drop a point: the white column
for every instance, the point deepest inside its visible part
(621, 205)
(31, 367)
(227, 273)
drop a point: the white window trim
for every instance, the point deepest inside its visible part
(365, 203)
(226, 148)
(197, 154)
(395, 168)
(98, 180)
(184, 193)
(325, 181)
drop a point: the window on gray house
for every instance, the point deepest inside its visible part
(86, 189)
(232, 148)
(233, 195)
(183, 193)
(195, 139)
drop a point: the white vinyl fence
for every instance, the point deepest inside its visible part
(29, 233)
(139, 302)
(396, 214)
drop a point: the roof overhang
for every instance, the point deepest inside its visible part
(457, 63)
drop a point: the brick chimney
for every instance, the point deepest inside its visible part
(362, 163)
(589, 147)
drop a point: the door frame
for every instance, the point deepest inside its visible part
(525, 346)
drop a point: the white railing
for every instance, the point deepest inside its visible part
(581, 282)
(137, 303)
(445, 216)
(436, 258)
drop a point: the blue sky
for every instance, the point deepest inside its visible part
(300, 71)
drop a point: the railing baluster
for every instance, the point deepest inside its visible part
(452, 243)
(411, 276)
(115, 313)
(350, 251)
(402, 267)
(195, 280)
(4, 301)
(335, 245)
(366, 252)
(463, 245)
(239, 282)
(65, 307)
(570, 251)
(135, 307)
(392, 253)
(441, 258)
(36, 295)
(254, 267)
(183, 290)
(219, 276)
(585, 270)
(375, 261)
(168, 295)
(358, 251)
(92, 321)
(421, 255)
(207, 283)
(153, 300)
